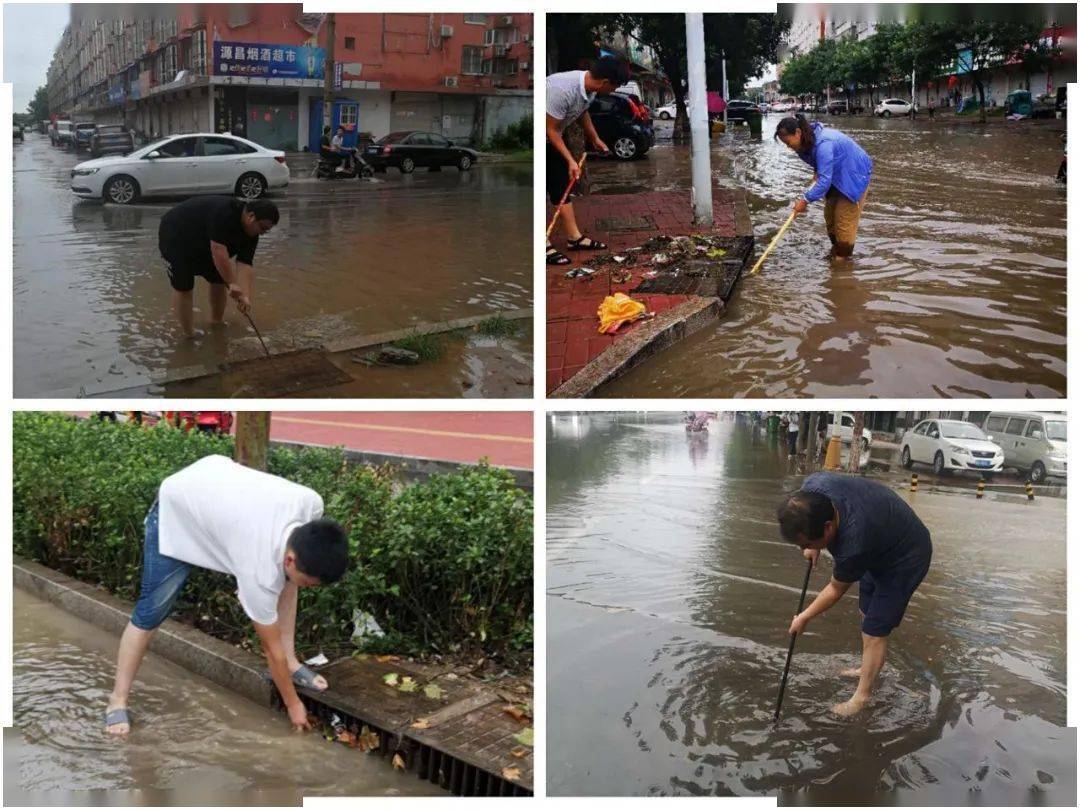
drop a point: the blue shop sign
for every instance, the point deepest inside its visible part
(116, 94)
(268, 61)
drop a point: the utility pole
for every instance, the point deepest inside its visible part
(328, 73)
(700, 168)
(723, 72)
(832, 454)
(912, 92)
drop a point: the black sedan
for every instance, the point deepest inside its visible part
(406, 151)
(623, 123)
(111, 139)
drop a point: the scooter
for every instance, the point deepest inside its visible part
(326, 169)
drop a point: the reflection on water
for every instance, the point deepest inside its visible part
(192, 743)
(93, 304)
(957, 288)
(669, 597)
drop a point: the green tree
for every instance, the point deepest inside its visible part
(38, 108)
(748, 43)
(986, 43)
(666, 35)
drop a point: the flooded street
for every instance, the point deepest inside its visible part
(92, 300)
(193, 742)
(669, 598)
(957, 287)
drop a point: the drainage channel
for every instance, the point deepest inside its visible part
(452, 773)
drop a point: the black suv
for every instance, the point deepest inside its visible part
(623, 123)
(737, 110)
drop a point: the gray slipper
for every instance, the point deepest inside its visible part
(118, 716)
(304, 677)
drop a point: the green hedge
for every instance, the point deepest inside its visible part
(444, 566)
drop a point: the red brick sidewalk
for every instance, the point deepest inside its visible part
(573, 337)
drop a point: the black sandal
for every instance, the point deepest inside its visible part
(555, 258)
(585, 243)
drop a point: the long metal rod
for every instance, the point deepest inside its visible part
(772, 244)
(565, 194)
(791, 644)
(259, 336)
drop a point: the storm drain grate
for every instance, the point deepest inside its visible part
(448, 772)
(705, 277)
(625, 224)
(282, 374)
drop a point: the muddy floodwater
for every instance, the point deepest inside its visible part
(957, 287)
(193, 742)
(348, 259)
(669, 599)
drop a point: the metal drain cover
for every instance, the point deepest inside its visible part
(282, 374)
(623, 224)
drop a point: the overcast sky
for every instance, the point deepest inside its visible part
(31, 32)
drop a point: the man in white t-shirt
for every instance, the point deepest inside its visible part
(569, 95)
(265, 531)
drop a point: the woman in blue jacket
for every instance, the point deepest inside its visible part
(841, 175)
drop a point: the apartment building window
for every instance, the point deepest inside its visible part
(476, 19)
(472, 57)
(350, 43)
(198, 52)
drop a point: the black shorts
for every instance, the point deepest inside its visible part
(884, 597)
(558, 174)
(182, 269)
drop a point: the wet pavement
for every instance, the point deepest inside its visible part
(193, 743)
(957, 287)
(669, 598)
(348, 259)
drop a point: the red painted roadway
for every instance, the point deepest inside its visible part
(503, 438)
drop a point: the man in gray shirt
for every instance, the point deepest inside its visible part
(568, 97)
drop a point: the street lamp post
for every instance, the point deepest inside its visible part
(700, 169)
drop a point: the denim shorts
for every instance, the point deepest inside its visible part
(162, 579)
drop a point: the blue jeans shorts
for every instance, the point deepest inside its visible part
(162, 579)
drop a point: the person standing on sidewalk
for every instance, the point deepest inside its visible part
(793, 434)
(874, 538)
(265, 531)
(200, 237)
(842, 172)
(569, 95)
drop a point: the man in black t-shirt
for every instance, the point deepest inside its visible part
(874, 538)
(200, 237)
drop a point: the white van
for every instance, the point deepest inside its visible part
(1034, 443)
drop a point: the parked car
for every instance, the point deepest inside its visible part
(60, 134)
(665, 113)
(894, 106)
(623, 123)
(111, 139)
(782, 105)
(836, 108)
(949, 444)
(17, 133)
(1034, 443)
(737, 109)
(82, 132)
(183, 165)
(407, 150)
(847, 430)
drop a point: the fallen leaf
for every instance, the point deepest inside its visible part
(519, 713)
(519, 752)
(407, 685)
(433, 691)
(399, 762)
(368, 740)
(421, 724)
(511, 773)
(525, 737)
(347, 737)
(390, 679)
(382, 659)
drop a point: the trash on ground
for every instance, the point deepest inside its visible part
(317, 661)
(364, 627)
(396, 356)
(579, 272)
(617, 310)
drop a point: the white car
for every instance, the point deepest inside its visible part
(949, 444)
(183, 165)
(783, 105)
(847, 430)
(893, 106)
(667, 112)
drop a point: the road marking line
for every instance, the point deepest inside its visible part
(392, 429)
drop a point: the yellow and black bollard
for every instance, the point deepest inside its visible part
(979, 491)
(1030, 491)
(914, 482)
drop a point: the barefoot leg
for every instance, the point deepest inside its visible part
(873, 660)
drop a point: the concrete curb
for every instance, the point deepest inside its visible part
(227, 666)
(643, 342)
(192, 372)
(415, 468)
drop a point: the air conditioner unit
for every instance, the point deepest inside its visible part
(446, 31)
(450, 81)
(524, 65)
(508, 19)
